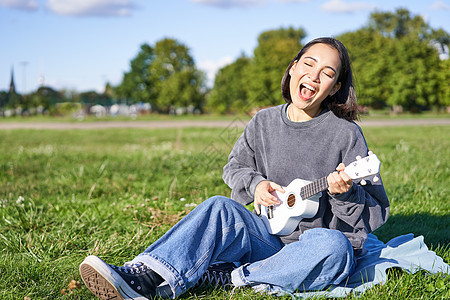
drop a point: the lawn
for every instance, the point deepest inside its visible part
(66, 194)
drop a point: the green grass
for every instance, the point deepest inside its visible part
(67, 194)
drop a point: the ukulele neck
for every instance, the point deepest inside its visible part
(314, 187)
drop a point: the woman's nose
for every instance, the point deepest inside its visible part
(314, 75)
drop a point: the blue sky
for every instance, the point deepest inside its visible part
(81, 44)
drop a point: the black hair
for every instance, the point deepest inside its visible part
(343, 102)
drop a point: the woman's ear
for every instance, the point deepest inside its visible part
(336, 88)
(292, 68)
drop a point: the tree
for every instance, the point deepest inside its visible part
(275, 50)
(371, 54)
(138, 85)
(414, 75)
(3, 100)
(178, 82)
(399, 24)
(164, 75)
(181, 90)
(230, 91)
(46, 97)
(443, 95)
(92, 97)
(13, 100)
(395, 62)
(109, 91)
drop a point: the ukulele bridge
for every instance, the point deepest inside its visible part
(270, 212)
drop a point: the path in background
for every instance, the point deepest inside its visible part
(180, 124)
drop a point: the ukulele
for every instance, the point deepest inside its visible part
(301, 197)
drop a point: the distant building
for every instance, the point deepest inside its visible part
(12, 87)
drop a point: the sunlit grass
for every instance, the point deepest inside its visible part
(68, 194)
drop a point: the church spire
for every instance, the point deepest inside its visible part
(12, 87)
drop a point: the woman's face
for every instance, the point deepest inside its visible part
(314, 77)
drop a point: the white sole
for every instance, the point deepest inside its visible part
(104, 282)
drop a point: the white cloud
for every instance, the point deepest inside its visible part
(440, 5)
(292, 1)
(211, 67)
(229, 3)
(339, 6)
(91, 7)
(242, 3)
(30, 5)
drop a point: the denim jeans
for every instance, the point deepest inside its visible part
(222, 230)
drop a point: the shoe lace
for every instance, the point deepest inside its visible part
(133, 268)
(215, 278)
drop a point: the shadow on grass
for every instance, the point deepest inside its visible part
(435, 229)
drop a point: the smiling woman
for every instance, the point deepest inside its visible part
(313, 79)
(320, 76)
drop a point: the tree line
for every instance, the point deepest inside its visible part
(398, 60)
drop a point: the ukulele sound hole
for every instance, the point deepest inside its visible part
(291, 200)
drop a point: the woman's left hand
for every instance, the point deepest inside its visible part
(339, 182)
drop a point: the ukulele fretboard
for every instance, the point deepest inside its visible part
(313, 188)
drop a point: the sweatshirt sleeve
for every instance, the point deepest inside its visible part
(240, 173)
(363, 208)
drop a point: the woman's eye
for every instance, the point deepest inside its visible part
(328, 75)
(309, 65)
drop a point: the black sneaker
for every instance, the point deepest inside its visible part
(217, 275)
(132, 281)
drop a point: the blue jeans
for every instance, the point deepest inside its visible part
(222, 230)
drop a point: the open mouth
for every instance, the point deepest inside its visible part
(307, 91)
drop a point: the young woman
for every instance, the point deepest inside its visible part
(311, 136)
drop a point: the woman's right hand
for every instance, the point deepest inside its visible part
(263, 195)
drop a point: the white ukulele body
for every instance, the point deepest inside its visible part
(291, 210)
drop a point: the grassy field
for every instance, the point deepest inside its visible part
(67, 194)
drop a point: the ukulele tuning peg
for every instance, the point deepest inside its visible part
(376, 178)
(370, 153)
(358, 157)
(363, 182)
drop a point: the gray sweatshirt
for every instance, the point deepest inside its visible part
(274, 148)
